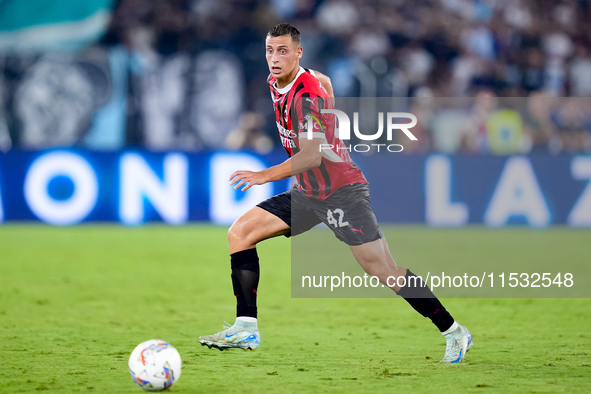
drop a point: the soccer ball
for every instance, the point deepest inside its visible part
(155, 365)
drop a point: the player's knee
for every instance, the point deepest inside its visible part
(234, 232)
(372, 268)
(238, 233)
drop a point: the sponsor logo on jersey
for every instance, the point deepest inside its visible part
(287, 142)
(285, 132)
(286, 136)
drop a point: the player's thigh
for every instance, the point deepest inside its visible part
(348, 213)
(376, 254)
(294, 208)
(370, 252)
(303, 217)
(255, 226)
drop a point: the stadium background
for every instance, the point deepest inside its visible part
(136, 111)
(106, 77)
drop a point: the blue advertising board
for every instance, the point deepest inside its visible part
(440, 190)
(70, 186)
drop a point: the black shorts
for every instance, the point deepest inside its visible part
(346, 212)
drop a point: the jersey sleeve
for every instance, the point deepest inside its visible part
(311, 122)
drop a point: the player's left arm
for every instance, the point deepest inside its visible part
(325, 81)
(309, 156)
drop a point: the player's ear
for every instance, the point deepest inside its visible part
(300, 51)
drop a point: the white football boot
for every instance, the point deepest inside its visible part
(459, 341)
(235, 336)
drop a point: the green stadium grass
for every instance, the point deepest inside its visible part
(75, 301)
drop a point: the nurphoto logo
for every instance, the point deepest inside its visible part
(344, 130)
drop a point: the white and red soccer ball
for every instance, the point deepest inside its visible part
(155, 365)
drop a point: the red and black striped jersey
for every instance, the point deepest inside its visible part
(297, 104)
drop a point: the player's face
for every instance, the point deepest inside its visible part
(283, 57)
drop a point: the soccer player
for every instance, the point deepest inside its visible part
(330, 187)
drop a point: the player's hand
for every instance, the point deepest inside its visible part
(247, 178)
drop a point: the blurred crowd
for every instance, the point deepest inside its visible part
(450, 47)
(426, 50)
(488, 124)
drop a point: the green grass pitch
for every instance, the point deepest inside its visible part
(75, 301)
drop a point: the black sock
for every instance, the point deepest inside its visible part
(422, 299)
(245, 280)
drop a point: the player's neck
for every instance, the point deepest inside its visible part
(283, 82)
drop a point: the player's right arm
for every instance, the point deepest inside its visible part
(310, 152)
(309, 156)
